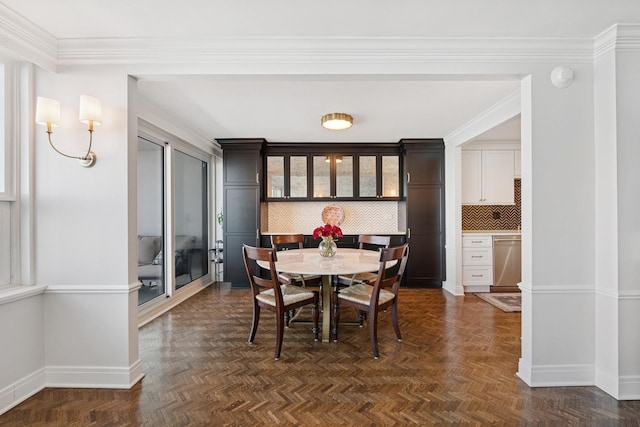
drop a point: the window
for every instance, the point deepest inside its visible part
(7, 160)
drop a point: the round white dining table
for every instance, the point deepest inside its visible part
(310, 262)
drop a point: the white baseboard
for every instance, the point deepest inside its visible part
(469, 289)
(21, 390)
(94, 376)
(556, 375)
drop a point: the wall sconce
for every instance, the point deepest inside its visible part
(48, 114)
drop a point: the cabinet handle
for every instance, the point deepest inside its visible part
(408, 177)
(477, 275)
(476, 241)
(476, 256)
(257, 233)
(258, 178)
(408, 233)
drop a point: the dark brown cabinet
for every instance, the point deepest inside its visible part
(242, 170)
(424, 168)
(332, 172)
(420, 169)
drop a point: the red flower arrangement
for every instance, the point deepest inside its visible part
(327, 230)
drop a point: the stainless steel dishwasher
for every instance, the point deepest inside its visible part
(507, 260)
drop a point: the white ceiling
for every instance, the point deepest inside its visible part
(289, 109)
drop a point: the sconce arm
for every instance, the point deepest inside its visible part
(88, 160)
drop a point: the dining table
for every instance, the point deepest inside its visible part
(345, 262)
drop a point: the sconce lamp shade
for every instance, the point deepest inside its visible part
(47, 112)
(90, 110)
(336, 121)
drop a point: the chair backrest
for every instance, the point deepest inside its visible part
(287, 241)
(371, 241)
(400, 254)
(251, 256)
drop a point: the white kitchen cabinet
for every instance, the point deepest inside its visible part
(477, 262)
(487, 177)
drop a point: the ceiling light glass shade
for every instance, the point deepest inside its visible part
(336, 121)
(90, 110)
(47, 112)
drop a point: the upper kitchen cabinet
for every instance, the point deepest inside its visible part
(487, 177)
(314, 172)
(287, 177)
(378, 176)
(333, 176)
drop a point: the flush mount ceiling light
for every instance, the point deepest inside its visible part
(336, 121)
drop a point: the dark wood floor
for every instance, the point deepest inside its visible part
(455, 366)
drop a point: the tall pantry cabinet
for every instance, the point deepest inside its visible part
(242, 172)
(425, 211)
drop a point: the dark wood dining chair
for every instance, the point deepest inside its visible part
(383, 293)
(293, 241)
(275, 296)
(371, 242)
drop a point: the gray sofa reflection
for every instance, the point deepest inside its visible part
(151, 259)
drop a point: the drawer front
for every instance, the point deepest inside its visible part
(477, 276)
(479, 241)
(477, 256)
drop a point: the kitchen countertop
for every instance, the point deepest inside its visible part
(491, 231)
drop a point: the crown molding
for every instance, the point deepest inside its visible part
(617, 38)
(21, 39)
(320, 50)
(507, 108)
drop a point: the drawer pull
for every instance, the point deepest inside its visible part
(476, 256)
(476, 241)
(477, 275)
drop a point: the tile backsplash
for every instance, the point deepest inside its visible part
(482, 217)
(304, 217)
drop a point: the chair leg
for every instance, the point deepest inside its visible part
(254, 322)
(280, 322)
(373, 332)
(315, 315)
(335, 315)
(287, 318)
(362, 316)
(394, 319)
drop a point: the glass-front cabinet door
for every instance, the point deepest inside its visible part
(286, 177)
(390, 176)
(298, 177)
(368, 176)
(275, 177)
(379, 176)
(333, 177)
(321, 177)
(344, 176)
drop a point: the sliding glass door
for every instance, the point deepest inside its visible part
(151, 220)
(190, 218)
(173, 217)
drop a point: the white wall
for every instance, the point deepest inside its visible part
(22, 357)
(618, 206)
(82, 244)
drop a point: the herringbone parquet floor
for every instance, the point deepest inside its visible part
(455, 366)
